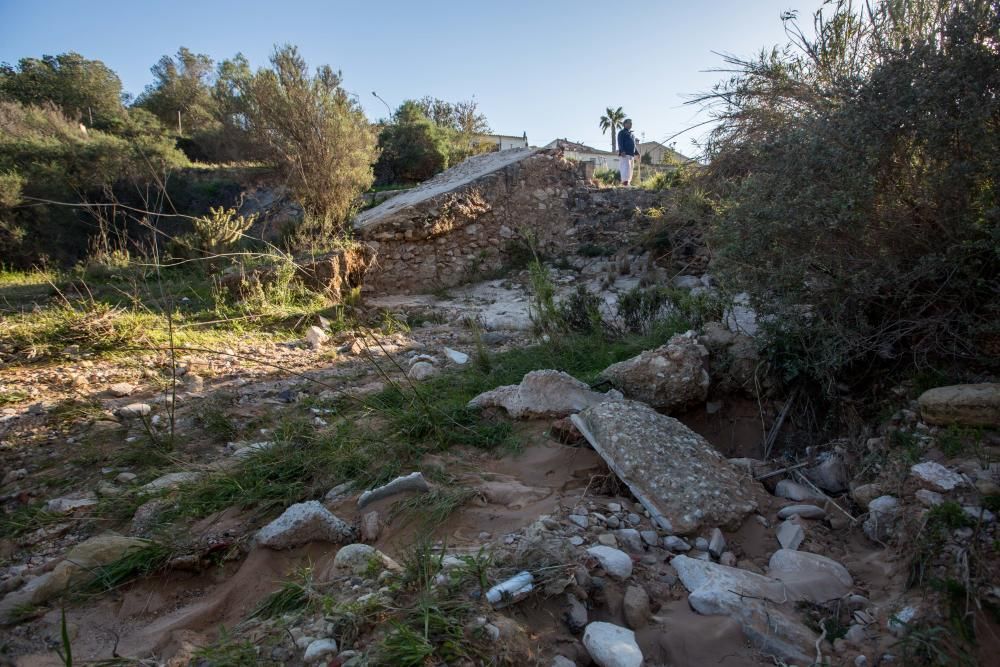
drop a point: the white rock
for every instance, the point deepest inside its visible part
(674, 543)
(614, 561)
(358, 558)
(900, 621)
(455, 356)
(804, 511)
(126, 477)
(669, 378)
(315, 337)
(122, 389)
(630, 539)
(928, 498)
(320, 648)
(302, 523)
(172, 480)
(611, 645)
(338, 493)
(133, 410)
(978, 513)
(422, 370)
(790, 490)
(759, 603)
(810, 576)
(543, 393)
(830, 474)
(790, 535)
(882, 516)
(936, 476)
(562, 661)
(68, 505)
(717, 543)
(414, 482)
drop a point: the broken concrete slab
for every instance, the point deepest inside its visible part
(414, 482)
(759, 603)
(677, 476)
(544, 393)
(671, 377)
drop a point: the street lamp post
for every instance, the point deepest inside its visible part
(383, 102)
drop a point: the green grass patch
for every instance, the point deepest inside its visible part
(135, 564)
(26, 519)
(229, 652)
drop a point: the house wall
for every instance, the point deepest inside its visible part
(502, 142)
(600, 160)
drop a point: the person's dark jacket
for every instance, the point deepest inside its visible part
(626, 142)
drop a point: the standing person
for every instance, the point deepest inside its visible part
(627, 151)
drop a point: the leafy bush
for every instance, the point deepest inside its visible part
(580, 311)
(220, 230)
(426, 137)
(607, 176)
(312, 130)
(861, 168)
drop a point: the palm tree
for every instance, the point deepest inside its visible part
(612, 120)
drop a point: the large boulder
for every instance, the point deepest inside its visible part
(762, 606)
(543, 393)
(611, 645)
(962, 404)
(671, 377)
(810, 576)
(680, 479)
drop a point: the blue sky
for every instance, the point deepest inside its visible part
(547, 67)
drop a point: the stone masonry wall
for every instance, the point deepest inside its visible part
(465, 220)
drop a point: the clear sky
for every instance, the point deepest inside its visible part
(547, 67)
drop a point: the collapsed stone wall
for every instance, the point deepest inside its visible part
(462, 223)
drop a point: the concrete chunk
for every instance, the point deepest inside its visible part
(677, 476)
(544, 393)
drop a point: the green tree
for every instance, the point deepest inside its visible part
(311, 129)
(412, 149)
(612, 120)
(180, 95)
(427, 136)
(83, 89)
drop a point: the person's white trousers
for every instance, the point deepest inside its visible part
(625, 168)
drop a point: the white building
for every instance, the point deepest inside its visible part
(502, 141)
(661, 154)
(584, 153)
